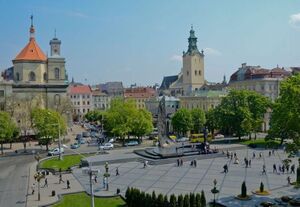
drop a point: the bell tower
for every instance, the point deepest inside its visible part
(55, 46)
(193, 66)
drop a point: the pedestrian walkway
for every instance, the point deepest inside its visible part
(53, 185)
(169, 178)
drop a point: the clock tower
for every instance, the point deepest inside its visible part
(55, 46)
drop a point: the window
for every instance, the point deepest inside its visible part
(88, 103)
(83, 96)
(56, 73)
(57, 99)
(17, 77)
(83, 103)
(78, 103)
(187, 72)
(1, 93)
(199, 72)
(45, 76)
(31, 76)
(195, 72)
(83, 110)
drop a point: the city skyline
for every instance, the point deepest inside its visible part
(140, 42)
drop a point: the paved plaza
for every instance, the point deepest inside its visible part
(169, 179)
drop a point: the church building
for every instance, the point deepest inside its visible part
(36, 75)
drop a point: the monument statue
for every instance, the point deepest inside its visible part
(161, 123)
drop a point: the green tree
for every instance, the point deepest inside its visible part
(48, 125)
(141, 123)
(211, 121)
(94, 115)
(258, 105)
(285, 118)
(186, 201)
(180, 201)
(233, 113)
(173, 202)
(203, 199)
(166, 201)
(244, 190)
(7, 128)
(198, 200)
(160, 200)
(198, 120)
(192, 200)
(182, 121)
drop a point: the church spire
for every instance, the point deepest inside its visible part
(192, 42)
(31, 30)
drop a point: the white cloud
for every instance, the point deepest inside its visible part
(76, 14)
(295, 20)
(211, 51)
(177, 58)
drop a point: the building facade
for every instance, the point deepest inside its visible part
(139, 95)
(101, 101)
(82, 100)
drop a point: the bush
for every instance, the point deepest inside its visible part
(203, 199)
(244, 190)
(261, 188)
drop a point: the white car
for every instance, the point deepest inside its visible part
(182, 139)
(107, 146)
(55, 151)
(218, 136)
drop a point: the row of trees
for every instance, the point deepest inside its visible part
(47, 125)
(240, 113)
(185, 120)
(123, 119)
(136, 198)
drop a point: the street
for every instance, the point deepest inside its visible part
(14, 174)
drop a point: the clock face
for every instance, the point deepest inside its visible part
(55, 50)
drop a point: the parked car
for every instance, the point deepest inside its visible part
(218, 136)
(132, 143)
(182, 139)
(78, 136)
(75, 145)
(55, 151)
(107, 146)
(82, 141)
(85, 134)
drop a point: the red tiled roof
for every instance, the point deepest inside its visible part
(31, 51)
(141, 92)
(80, 89)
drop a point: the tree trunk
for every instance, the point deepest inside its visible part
(47, 147)
(2, 148)
(250, 136)
(281, 140)
(212, 133)
(255, 135)
(10, 145)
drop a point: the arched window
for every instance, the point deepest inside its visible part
(56, 73)
(31, 76)
(45, 76)
(17, 77)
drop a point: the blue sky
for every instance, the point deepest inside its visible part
(141, 41)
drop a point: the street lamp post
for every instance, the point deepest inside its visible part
(214, 191)
(38, 175)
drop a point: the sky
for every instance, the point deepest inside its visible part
(141, 41)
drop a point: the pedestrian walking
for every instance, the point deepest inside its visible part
(95, 178)
(270, 153)
(177, 162)
(253, 155)
(289, 180)
(68, 184)
(225, 167)
(293, 169)
(46, 182)
(264, 170)
(260, 155)
(117, 171)
(274, 169)
(32, 188)
(181, 162)
(282, 169)
(231, 155)
(60, 179)
(195, 163)
(287, 167)
(273, 151)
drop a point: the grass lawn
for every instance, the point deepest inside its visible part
(83, 200)
(68, 161)
(261, 143)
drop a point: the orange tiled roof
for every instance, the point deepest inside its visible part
(80, 89)
(31, 51)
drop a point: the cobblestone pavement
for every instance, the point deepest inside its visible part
(169, 178)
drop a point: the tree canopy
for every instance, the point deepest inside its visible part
(48, 124)
(182, 121)
(285, 119)
(198, 120)
(241, 112)
(8, 128)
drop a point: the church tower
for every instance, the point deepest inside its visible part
(56, 63)
(193, 66)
